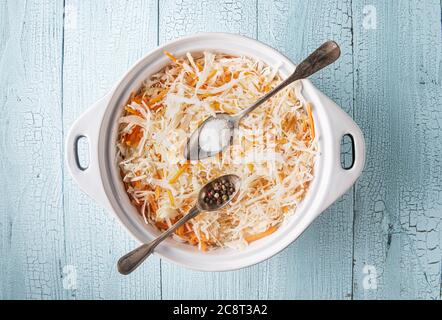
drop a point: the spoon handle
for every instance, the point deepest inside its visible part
(133, 259)
(323, 56)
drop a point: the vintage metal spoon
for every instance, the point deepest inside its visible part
(216, 133)
(133, 259)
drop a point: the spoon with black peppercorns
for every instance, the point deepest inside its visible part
(214, 196)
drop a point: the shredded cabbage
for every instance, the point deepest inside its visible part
(273, 151)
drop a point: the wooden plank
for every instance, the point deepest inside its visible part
(179, 18)
(397, 103)
(102, 39)
(319, 264)
(31, 219)
(399, 198)
(185, 17)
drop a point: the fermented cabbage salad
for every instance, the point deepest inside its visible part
(273, 151)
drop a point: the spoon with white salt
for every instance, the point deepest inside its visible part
(216, 133)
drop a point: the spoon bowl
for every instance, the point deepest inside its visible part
(194, 148)
(231, 178)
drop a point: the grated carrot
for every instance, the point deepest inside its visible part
(131, 97)
(261, 235)
(181, 230)
(156, 107)
(161, 225)
(192, 238)
(137, 99)
(171, 198)
(179, 173)
(211, 75)
(158, 98)
(203, 246)
(191, 79)
(170, 56)
(134, 137)
(153, 204)
(291, 122)
(304, 125)
(265, 88)
(200, 66)
(157, 192)
(206, 95)
(203, 242)
(160, 173)
(137, 184)
(310, 119)
(215, 105)
(132, 111)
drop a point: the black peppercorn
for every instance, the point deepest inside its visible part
(219, 192)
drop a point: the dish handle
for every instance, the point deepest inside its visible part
(88, 126)
(342, 179)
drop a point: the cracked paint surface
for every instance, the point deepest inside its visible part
(58, 57)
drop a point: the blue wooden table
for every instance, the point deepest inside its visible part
(381, 240)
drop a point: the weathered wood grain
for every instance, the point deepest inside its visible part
(58, 57)
(102, 39)
(319, 264)
(179, 18)
(184, 17)
(398, 103)
(31, 219)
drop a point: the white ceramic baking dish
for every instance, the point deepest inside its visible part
(102, 181)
